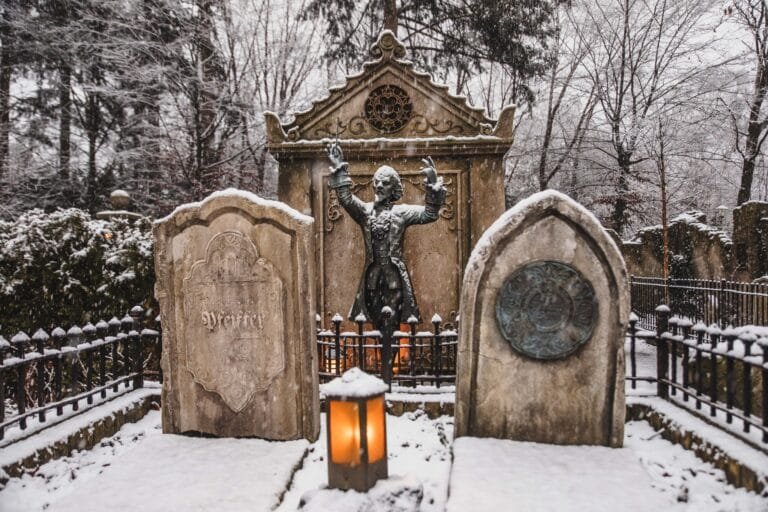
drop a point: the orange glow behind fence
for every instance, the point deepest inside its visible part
(345, 432)
(376, 429)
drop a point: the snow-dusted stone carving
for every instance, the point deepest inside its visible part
(544, 306)
(234, 301)
(235, 282)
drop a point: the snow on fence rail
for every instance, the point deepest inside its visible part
(66, 368)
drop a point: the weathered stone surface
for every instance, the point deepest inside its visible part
(468, 149)
(235, 282)
(576, 394)
(696, 250)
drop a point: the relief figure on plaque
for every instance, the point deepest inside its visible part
(385, 280)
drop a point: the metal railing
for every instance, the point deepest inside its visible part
(718, 302)
(46, 373)
(407, 357)
(700, 367)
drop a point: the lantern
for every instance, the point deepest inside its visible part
(357, 430)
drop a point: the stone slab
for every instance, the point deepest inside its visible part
(174, 473)
(236, 287)
(496, 475)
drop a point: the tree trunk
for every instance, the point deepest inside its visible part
(620, 206)
(543, 175)
(65, 119)
(206, 119)
(390, 16)
(6, 70)
(754, 131)
(93, 124)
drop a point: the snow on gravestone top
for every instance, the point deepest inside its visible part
(354, 383)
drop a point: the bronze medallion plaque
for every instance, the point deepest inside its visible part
(546, 310)
(388, 108)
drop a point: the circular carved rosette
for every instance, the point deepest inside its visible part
(546, 310)
(388, 108)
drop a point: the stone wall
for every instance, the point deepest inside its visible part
(750, 240)
(696, 250)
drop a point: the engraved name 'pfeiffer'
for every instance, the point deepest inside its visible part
(242, 320)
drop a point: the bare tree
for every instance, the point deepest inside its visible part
(750, 133)
(643, 56)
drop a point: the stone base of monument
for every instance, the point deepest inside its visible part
(496, 474)
(174, 473)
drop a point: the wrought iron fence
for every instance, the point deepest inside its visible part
(724, 371)
(718, 302)
(407, 357)
(68, 368)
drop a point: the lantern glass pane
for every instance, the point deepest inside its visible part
(376, 429)
(345, 432)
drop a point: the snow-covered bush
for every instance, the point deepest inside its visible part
(66, 268)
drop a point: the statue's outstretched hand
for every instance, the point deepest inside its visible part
(429, 171)
(334, 154)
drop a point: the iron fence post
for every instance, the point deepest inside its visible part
(137, 314)
(40, 338)
(337, 341)
(437, 350)
(662, 355)
(386, 347)
(632, 338)
(763, 342)
(19, 342)
(4, 347)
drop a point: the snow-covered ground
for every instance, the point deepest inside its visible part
(419, 452)
(141, 469)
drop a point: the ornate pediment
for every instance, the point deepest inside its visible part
(389, 99)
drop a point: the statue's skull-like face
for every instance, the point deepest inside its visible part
(386, 185)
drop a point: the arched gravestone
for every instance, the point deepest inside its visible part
(235, 282)
(544, 306)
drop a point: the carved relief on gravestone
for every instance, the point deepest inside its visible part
(233, 302)
(236, 288)
(544, 308)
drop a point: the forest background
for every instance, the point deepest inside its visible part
(630, 106)
(639, 109)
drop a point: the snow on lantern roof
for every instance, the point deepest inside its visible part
(354, 383)
(422, 108)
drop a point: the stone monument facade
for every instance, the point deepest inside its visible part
(235, 282)
(545, 302)
(392, 114)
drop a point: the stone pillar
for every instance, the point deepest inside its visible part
(236, 286)
(544, 308)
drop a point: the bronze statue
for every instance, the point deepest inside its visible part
(385, 280)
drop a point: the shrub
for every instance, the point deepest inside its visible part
(65, 268)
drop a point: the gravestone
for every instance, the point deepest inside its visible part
(235, 282)
(544, 307)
